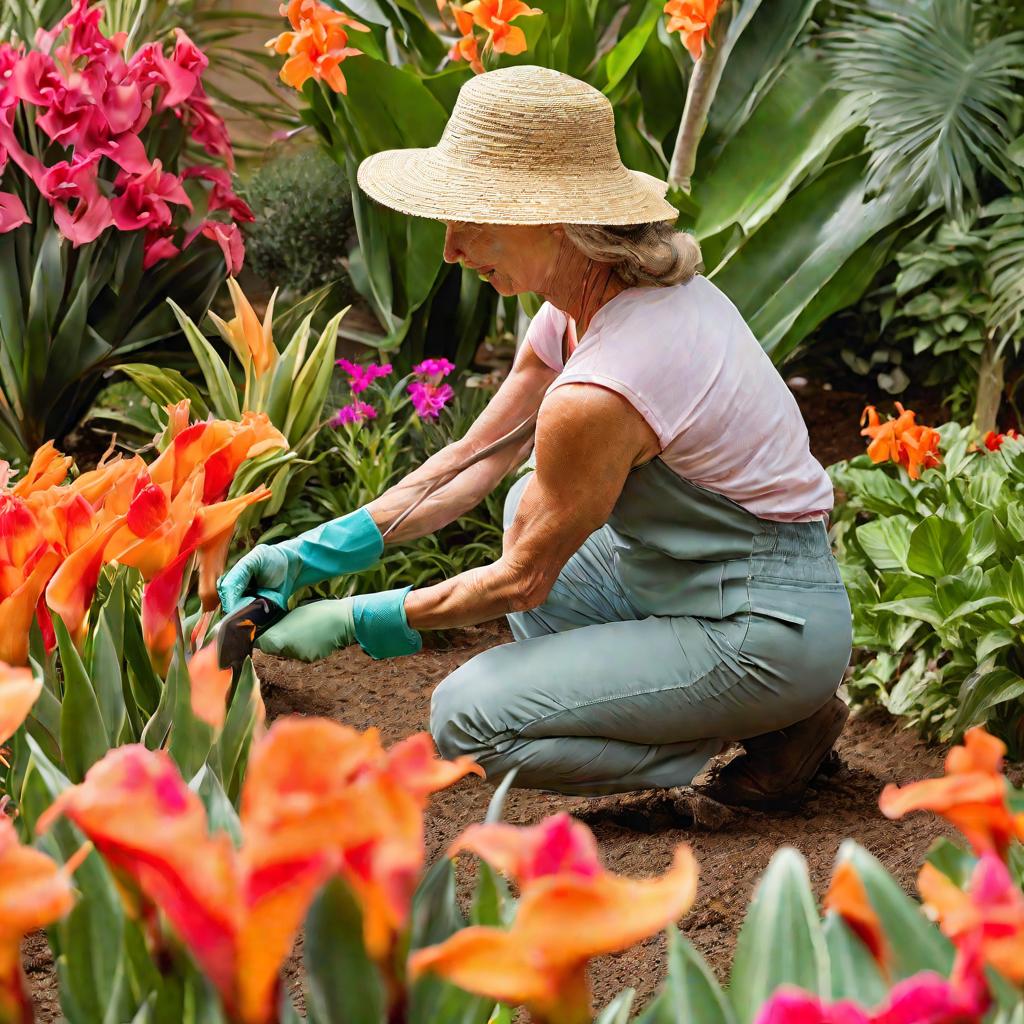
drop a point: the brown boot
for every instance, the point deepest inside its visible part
(777, 767)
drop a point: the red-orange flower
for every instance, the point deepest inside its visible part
(318, 799)
(990, 913)
(496, 17)
(48, 467)
(901, 440)
(317, 44)
(19, 689)
(994, 441)
(571, 910)
(210, 685)
(692, 20)
(848, 898)
(971, 796)
(34, 892)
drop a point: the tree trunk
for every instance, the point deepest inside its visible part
(991, 381)
(707, 73)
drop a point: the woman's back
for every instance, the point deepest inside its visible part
(686, 360)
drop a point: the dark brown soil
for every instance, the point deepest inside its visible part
(637, 833)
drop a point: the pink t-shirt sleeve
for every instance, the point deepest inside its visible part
(545, 333)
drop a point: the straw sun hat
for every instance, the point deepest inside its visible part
(524, 145)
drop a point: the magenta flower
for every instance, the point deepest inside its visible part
(157, 247)
(434, 370)
(144, 198)
(12, 212)
(75, 183)
(228, 237)
(356, 412)
(362, 376)
(207, 127)
(429, 399)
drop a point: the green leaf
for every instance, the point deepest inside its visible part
(221, 815)
(782, 918)
(981, 692)
(164, 386)
(915, 943)
(886, 541)
(691, 991)
(218, 380)
(853, 971)
(83, 736)
(191, 738)
(342, 981)
(938, 548)
(617, 1011)
(105, 663)
(313, 382)
(953, 861)
(629, 48)
(236, 736)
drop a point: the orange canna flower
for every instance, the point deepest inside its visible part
(48, 467)
(210, 685)
(990, 913)
(971, 796)
(317, 46)
(34, 892)
(249, 339)
(19, 602)
(19, 690)
(692, 20)
(496, 17)
(465, 47)
(239, 912)
(177, 417)
(566, 915)
(848, 898)
(901, 440)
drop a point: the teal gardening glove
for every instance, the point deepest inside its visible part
(376, 622)
(275, 571)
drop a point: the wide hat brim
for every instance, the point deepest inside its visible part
(425, 183)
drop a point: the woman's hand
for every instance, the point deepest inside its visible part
(349, 544)
(375, 621)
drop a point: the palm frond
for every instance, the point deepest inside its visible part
(937, 100)
(1004, 267)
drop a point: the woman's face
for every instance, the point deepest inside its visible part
(514, 258)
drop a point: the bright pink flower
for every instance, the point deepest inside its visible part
(794, 1006)
(12, 212)
(361, 377)
(356, 412)
(85, 40)
(228, 237)
(9, 58)
(177, 76)
(66, 183)
(144, 199)
(222, 196)
(435, 370)
(207, 127)
(429, 399)
(36, 79)
(157, 247)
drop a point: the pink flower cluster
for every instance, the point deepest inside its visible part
(360, 377)
(429, 396)
(95, 108)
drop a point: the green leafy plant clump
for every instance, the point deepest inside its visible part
(303, 208)
(935, 572)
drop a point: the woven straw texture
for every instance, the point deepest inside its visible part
(524, 145)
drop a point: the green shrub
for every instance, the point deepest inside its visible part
(303, 210)
(935, 572)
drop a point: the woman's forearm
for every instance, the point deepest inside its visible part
(448, 502)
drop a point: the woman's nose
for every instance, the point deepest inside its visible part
(452, 250)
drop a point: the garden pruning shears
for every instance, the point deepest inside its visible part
(236, 634)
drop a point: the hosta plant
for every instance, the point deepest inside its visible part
(115, 194)
(931, 555)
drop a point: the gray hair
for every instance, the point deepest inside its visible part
(654, 253)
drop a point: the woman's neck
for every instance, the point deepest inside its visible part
(579, 287)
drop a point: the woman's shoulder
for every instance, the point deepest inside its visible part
(683, 304)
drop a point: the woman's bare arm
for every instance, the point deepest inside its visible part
(588, 439)
(518, 398)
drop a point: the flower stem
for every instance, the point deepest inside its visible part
(700, 93)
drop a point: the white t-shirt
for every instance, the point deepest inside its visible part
(686, 360)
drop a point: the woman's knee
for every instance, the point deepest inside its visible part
(458, 722)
